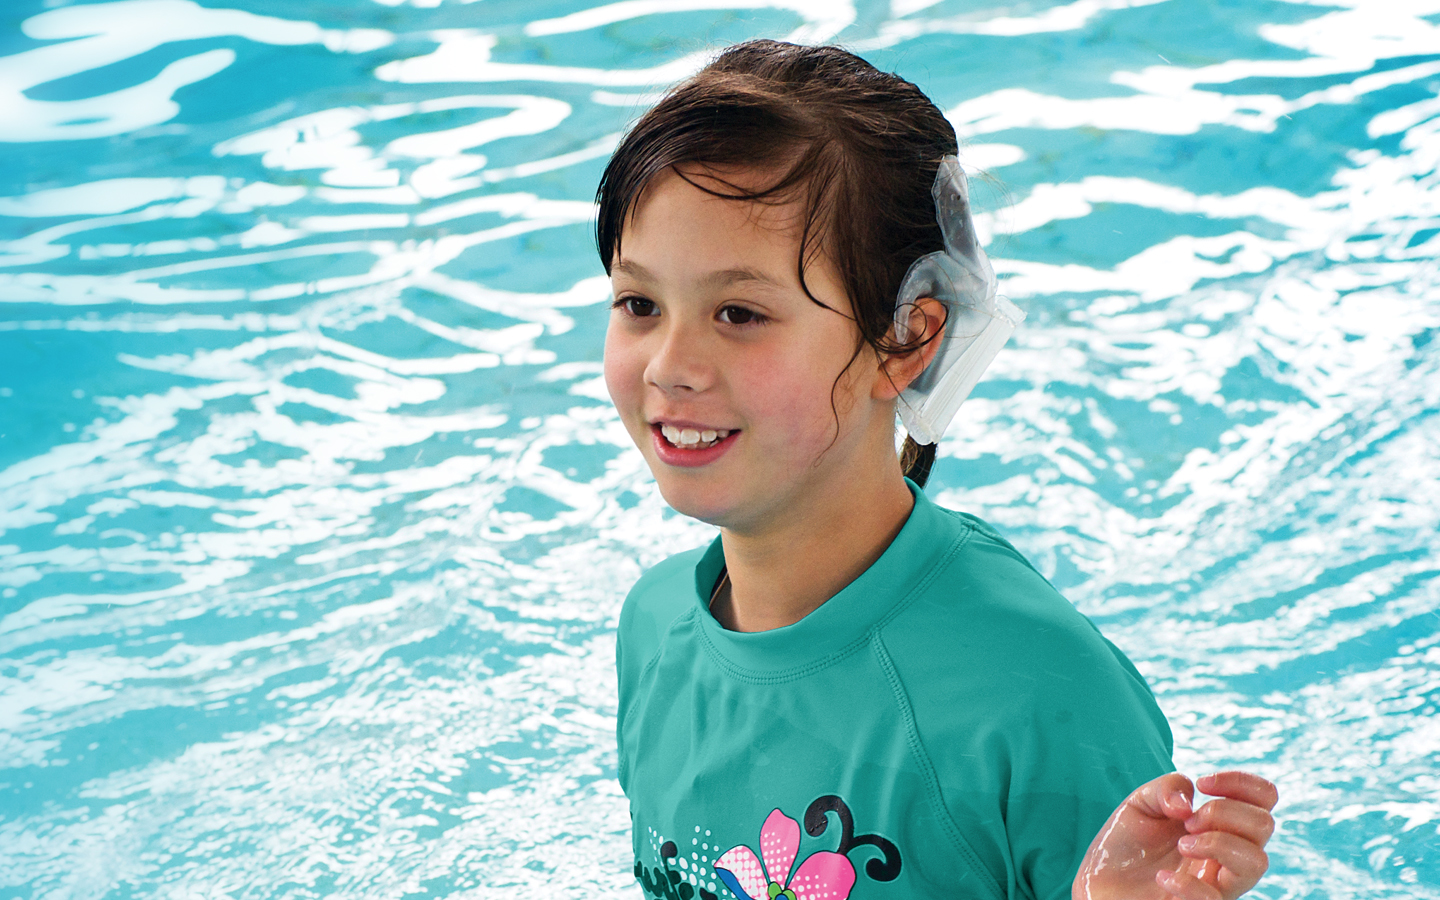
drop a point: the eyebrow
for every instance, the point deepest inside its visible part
(719, 279)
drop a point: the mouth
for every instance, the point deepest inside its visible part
(692, 438)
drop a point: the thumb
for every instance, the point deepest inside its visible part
(1167, 797)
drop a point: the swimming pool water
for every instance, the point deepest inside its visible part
(315, 520)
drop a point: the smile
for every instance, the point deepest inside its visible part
(691, 445)
(692, 438)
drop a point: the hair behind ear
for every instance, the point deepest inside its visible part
(916, 460)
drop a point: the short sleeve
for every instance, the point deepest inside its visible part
(1036, 725)
(1096, 734)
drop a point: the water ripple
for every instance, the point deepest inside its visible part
(315, 519)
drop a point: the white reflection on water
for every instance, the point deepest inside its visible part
(308, 571)
(100, 34)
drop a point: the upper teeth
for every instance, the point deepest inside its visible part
(682, 437)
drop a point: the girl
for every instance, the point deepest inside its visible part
(853, 692)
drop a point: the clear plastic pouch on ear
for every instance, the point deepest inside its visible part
(978, 321)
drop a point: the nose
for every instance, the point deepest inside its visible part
(680, 364)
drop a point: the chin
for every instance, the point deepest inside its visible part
(700, 502)
(690, 504)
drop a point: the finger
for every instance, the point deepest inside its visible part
(1206, 870)
(1243, 786)
(1245, 861)
(1186, 887)
(1166, 797)
(1235, 816)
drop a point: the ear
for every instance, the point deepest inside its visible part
(926, 327)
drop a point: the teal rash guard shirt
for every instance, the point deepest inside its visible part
(947, 726)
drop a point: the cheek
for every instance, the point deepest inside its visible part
(793, 396)
(624, 371)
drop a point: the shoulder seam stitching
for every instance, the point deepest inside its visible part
(927, 769)
(929, 579)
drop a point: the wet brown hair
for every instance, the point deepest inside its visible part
(858, 146)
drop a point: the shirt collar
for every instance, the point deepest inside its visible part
(840, 624)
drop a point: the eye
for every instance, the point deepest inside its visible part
(740, 315)
(638, 307)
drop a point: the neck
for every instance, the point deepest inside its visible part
(782, 573)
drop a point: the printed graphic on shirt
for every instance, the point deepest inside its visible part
(741, 874)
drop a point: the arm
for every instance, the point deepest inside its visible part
(1154, 847)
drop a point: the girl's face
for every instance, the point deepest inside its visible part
(722, 368)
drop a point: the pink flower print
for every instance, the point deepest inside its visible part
(822, 876)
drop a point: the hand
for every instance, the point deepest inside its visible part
(1155, 848)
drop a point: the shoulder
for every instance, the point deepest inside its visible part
(664, 593)
(989, 625)
(984, 585)
(666, 590)
(1012, 688)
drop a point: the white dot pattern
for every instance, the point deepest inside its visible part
(742, 863)
(823, 876)
(779, 842)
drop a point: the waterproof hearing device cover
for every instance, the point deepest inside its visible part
(978, 321)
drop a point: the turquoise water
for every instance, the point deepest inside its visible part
(315, 520)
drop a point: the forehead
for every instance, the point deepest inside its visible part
(678, 222)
